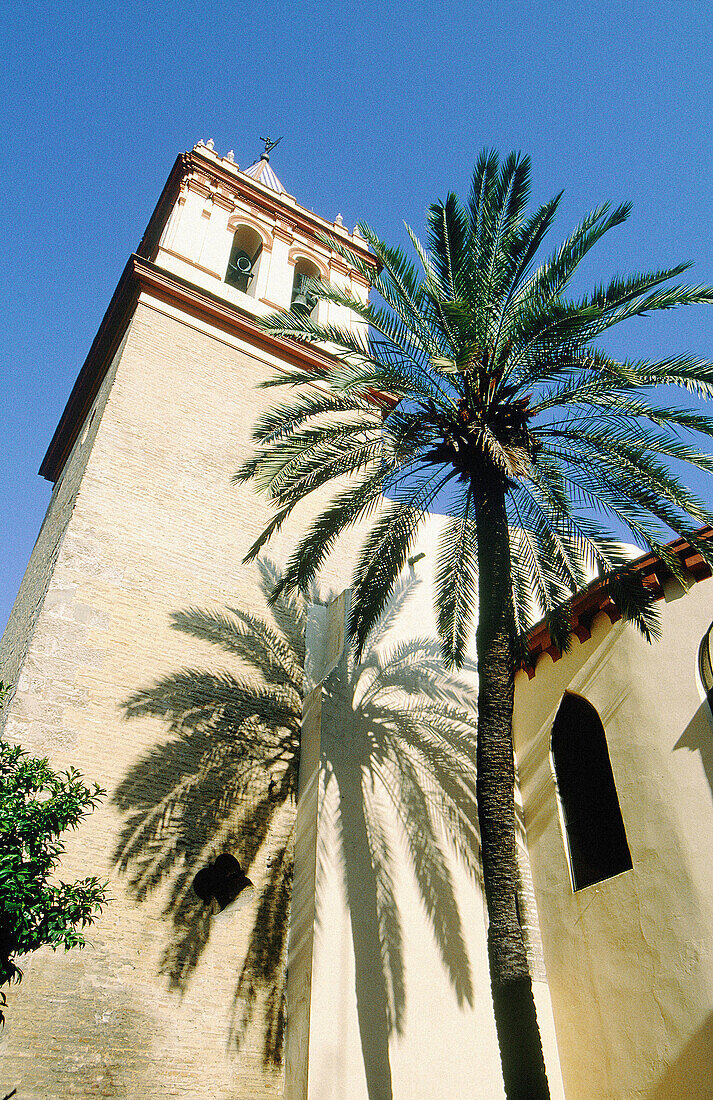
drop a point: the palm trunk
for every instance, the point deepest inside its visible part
(515, 1017)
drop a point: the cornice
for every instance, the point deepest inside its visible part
(199, 186)
(225, 202)
(140, 272)
(283, 233)
(297, 217)
(336, 263)
(173, 290)
(141, 275)
(191, 263)
(594, 599)
(357, 278)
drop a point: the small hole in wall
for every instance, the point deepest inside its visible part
(223, 886)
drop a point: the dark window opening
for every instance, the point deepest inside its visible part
(596, 837)
(244, 259)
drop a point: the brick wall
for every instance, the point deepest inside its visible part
(144, 523)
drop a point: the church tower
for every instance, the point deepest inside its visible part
(145, 526)
(142, 651)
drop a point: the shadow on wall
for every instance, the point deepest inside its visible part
(690, 1074)
(698, 737)
(226, 781)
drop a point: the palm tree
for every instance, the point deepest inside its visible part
(226, 780)
(477, 376)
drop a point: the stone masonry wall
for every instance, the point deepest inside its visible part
(144, 523)
(38, 575)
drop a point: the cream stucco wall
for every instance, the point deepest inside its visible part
(144, 522)
(445, 1043)
(630, 960)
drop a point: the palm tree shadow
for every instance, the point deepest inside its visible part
(226, 781)
(397, 744)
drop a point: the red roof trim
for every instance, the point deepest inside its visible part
(594, 599)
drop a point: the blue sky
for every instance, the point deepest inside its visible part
(383, 108)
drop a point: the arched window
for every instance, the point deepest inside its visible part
(595, 829)
(705, 663)
(244, 259)
(303, 299)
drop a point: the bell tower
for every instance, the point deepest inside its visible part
(142, 651)
(145, 525)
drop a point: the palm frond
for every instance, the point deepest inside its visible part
(353, 504)
(478, 367)
(448, 229)
(456, 590)
(384, 554)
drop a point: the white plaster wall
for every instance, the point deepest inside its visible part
(630, 960)
(186, 233)
(279, 288)
(217, 242)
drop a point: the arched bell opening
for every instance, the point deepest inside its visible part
(304, 300)
(244, 259)
(596, 838)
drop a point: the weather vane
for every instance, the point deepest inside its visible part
(270, 144)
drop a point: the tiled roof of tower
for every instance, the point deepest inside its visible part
(263, 173)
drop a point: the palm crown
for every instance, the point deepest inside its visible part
(477, 372)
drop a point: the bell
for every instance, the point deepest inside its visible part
(241, 266)
(300, 303)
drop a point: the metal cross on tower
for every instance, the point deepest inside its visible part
(269, 144)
